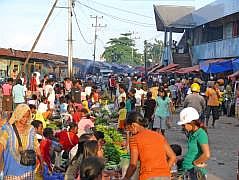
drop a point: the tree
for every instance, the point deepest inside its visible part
(154, 50)
(122, 51)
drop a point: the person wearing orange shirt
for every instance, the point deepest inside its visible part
(150, 148)
(213, 95)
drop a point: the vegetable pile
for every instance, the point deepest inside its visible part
(112, 149)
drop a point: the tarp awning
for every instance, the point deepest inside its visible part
(234, 75)
(216, 66)
(195, 68)
(155, 68)
(235, 64)
(167, 68)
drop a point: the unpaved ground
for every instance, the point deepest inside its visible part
(224, 144)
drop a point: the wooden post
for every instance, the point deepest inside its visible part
(37, 39)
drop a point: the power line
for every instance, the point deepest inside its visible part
(96, 26)
(123, 10)
(118, 18)
(78, 25)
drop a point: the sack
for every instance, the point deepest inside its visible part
(28, 157)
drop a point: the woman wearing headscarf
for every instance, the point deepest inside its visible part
(10, 149)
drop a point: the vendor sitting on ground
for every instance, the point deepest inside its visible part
(43, 112)
(85, 124)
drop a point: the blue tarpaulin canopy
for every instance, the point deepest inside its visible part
(216, 66)
(235, 64)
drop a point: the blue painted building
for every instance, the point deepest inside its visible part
(211, 32)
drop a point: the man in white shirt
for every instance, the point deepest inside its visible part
(50, 93)
(139, 96)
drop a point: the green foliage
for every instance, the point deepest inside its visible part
(112, 150)
(111, 134)
(120, 51)
(102, 117)
(101, 120)
(154, 50)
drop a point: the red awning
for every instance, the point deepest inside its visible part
(168, 68)
(195, 68)
(234, 75)
(154, 69)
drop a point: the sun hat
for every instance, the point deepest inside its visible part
(187, 115)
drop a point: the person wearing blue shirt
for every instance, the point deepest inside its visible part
(18, 93)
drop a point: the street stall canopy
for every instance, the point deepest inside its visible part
(168, 68)
(216, 66)
(192, 69)
(234, 75)
(155, 68)
(235, 64)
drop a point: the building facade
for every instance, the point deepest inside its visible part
(211, 32)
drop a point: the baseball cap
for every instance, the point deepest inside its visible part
(187, 115)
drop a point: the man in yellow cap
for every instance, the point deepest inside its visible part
(195, 100)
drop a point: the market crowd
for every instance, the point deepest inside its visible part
(31, 148)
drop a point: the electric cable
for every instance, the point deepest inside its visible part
(123, 10)
(78, 25)
(118, 18)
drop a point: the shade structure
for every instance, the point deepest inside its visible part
(167, 68)
(234, 75)
(193, 69)
(235, 64)
(216, 66)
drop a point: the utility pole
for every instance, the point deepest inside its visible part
(95, 37)
(37, 39)
(133, 38)
(145, 60)
(70, 44)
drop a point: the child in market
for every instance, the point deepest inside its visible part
(177, 149)
(122, 116)
(33, 100)
(63, 105)
(48, 147)
(38, 129)
(43, 112)
(130, 102)
(85, 105)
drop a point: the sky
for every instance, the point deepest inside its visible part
(21, 21)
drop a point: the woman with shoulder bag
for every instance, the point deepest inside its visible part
(19, 145)
(194, 161)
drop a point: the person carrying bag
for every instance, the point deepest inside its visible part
(28, 156)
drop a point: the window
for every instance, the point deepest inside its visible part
(212, 33)
(235, 29)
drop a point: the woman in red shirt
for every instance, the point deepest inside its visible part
(150, 148)
(68, 139)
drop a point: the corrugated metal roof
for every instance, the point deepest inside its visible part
(215, 10)
(180, 17)
(165, 15)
